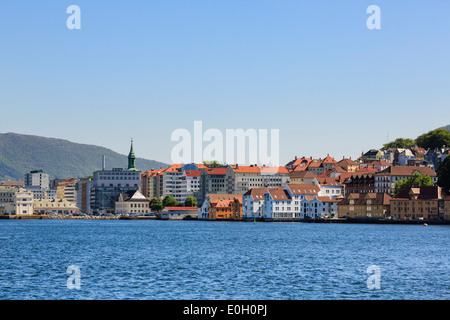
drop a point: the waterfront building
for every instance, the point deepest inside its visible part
(316, 207)
(418, 203)
(83, 187)
(54, 206)
(109, 184)
(385, 180)
(278, 204)
(179, 213)
(16, 201)
(365, 205)
(253, 203)
(221, 206)
(446, 214)
(132, 202)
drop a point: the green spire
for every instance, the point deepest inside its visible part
(131, 158)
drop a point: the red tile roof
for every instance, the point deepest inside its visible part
(304, 189)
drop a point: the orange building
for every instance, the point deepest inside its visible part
(225, 206)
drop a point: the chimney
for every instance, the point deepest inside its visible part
(103, 162)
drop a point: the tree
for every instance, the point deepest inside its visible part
(190, 202)
(434, 139)
(212, 164)
(399, 143)
(157, 205)
(443, 173)
(415, 181)
(169, 201)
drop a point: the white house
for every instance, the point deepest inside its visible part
(319, 207)
(253, 203)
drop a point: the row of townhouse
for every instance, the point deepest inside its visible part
(293, 201)
(427, 203)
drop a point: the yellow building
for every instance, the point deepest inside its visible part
(54, 206)
(417, 203)
(365, 205)
(132, 202)
(447, 208)
(67, 190)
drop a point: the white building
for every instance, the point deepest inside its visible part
(16, 201)
(37, 178)
(330, 187)
(279, 205)
(253, 203)
(319, 207)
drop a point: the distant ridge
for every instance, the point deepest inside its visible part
(60, 158)
(447, 128)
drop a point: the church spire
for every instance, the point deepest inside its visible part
(131, 158)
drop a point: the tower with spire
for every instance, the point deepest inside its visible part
(132, 159)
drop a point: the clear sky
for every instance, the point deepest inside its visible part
(142, 69)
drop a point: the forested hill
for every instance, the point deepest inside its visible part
(20, 154)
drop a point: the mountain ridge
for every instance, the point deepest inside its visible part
(20, 153)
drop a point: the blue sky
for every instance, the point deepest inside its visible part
(141, 69)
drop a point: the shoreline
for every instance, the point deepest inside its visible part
(146, 218)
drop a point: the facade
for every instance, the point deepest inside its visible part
(348, 165)
(315, 166)
(253, 203)
(240, 179)
(132, 202)
(109, 184)
(302, 177)
(67, 190)
(371, 155)
(212, 180)
(329, 187)
(37, 179)
(15, 201)
(319, 207)
(221, 207)
(365, 205)
(418, 203)
(179, 213)
(385, 180)
(83, 202)
(54, 206)
(446, 214)
(278, 205)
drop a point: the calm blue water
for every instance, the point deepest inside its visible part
(173, 260)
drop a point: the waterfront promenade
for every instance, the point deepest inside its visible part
(338, 220)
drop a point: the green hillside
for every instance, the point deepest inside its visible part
(20, 154)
